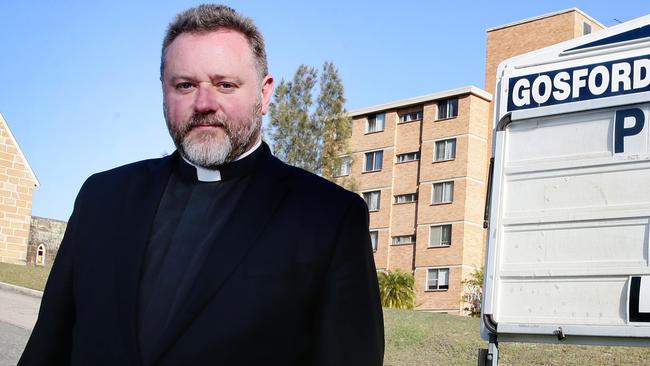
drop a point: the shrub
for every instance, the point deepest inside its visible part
(396, 289)
(474, 292)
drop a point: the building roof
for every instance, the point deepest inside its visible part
(4, 124)
(527, 20)
(421, 99)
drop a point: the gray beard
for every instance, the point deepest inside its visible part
(208, 149)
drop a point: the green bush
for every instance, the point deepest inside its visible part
(397, 289)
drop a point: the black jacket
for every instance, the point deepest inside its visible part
(291, 281)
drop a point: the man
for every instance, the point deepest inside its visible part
(218, 254)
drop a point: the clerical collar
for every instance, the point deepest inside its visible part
(242, 165)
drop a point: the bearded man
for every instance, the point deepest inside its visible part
(219, 254)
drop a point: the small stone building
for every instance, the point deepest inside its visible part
(17, 182)
(45, 237)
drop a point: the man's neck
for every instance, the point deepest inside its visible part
(214, 175)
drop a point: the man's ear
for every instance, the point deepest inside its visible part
(267, 92)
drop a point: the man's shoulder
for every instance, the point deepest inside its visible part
(317, 188)
(128, 172)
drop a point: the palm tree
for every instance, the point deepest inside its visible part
(396, 289)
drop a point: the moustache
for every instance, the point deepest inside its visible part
(206, 120)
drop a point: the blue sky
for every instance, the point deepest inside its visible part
(79, 81)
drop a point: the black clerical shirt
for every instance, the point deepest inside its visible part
(189, 219)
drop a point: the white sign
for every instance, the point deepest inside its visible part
(568, 256)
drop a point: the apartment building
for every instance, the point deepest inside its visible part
(420, 164)
(516, 38)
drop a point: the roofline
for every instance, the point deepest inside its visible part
(423, 98)
(528, 20)
(48, 219)
(20, 152)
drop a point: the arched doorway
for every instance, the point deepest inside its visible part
(40, 255)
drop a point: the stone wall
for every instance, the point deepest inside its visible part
(48, 232)
(17, 182)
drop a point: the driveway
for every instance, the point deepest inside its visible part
(18, 312)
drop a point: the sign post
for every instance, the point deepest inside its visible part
(568, 256)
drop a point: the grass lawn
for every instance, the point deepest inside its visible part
(414, 338)
(29, 276)
(421, 339)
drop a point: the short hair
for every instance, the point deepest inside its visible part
(211, 18)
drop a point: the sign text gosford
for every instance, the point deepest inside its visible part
(607, 79)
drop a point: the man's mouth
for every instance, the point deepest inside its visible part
(206, 126)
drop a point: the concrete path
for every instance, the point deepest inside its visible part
(18, 312)
(12, 342)
(19, 306)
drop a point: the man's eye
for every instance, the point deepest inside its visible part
(184, 86)
(226, 85)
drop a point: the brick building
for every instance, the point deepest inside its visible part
(17, 182)
(421, 164)
(513, 39)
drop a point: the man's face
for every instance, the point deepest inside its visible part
(213, 99)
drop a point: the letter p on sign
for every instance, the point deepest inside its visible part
(620, 131)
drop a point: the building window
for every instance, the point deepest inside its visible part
(403, 239)
(440, 236)
(448, 108)
(40, 255)
(445, 150)
(404, 198)
(372, 200)
(403, 158)
(342, 166)
(374, 237)
(413, 116)
(373, 161)
(443, 192)
(376, 123)
(586, 29)
(438, 279)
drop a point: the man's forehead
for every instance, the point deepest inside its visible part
(218, 38)
(216, 45)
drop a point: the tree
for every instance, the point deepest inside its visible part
(312, 138)
(474, 292)
(292, 128)
(396, 289)
(335, 125)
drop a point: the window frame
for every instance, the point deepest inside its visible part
(445, 141)
(416, 157)
(447, 102)
(369, 200)
(41, 253)
(438, 287)
(413, 196)
(396, 239)
(374, 118)
(419, 115)
(374, 161)
(442, 230)
(443, 184)
(345, 160)
(376, 241)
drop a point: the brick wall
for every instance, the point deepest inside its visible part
(525, 36)
(16, 186)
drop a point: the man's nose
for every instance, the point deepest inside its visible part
(206, 98)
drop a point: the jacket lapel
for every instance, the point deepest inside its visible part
(258, 204)
(142, 199)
